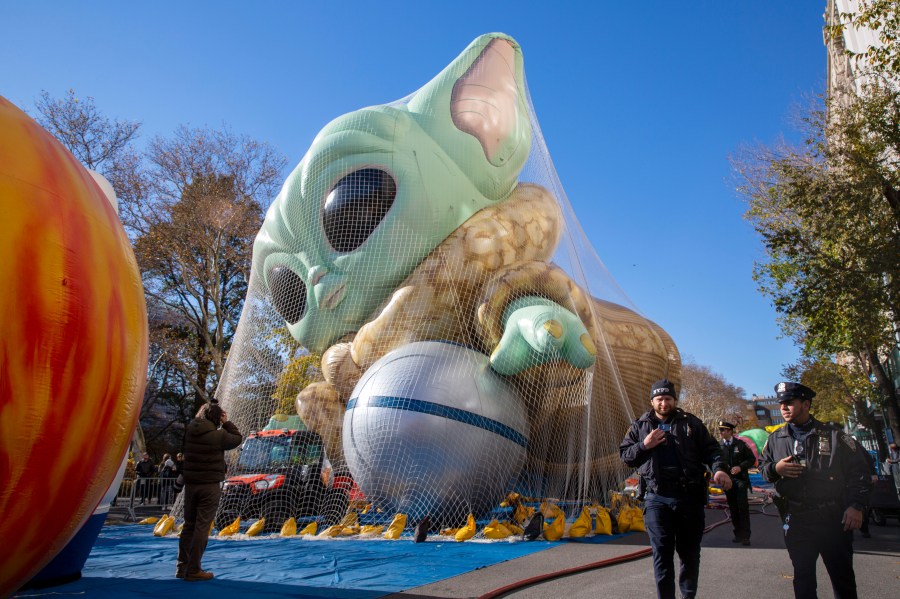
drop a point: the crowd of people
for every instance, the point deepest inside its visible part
(156, 480)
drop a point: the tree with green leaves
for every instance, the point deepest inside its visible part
(882, 17)
(829, 217)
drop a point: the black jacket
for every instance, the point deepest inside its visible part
(738, 455)
(145, 469)
(693, 444)
(204, 450)
(836, 468)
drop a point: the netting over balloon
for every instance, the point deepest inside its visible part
(423, 298)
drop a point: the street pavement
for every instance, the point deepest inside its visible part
(726, 569)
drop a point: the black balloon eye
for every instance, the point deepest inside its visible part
(288, 293)
(355, 207)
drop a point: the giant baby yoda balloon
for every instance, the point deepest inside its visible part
(439, 218)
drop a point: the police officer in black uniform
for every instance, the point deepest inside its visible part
(738, 459)
(671, 450)
(823, 487)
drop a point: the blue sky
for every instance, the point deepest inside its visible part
(640, 105)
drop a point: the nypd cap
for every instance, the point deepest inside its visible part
(787, 391)
(663, 387)
(724, 424)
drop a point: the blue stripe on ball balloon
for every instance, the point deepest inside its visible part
(435, 409)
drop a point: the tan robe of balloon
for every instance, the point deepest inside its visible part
(459, 294)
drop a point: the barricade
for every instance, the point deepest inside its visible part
(144, 491)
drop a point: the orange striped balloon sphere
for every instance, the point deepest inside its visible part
(73, 346)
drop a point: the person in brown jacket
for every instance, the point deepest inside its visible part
(204, 470)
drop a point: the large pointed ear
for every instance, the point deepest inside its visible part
(476, 111)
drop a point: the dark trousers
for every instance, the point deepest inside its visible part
(143, 486)
(200, 505)
(740, 509)
(818, 532)
(675, 524)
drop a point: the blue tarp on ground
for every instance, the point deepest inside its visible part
(128, 561)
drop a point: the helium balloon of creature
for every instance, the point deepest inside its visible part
(470, 346)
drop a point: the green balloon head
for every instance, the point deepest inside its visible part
(381, 187)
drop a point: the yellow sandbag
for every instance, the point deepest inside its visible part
(466, 532)
(256, 527)
(637, 520)
(582, 524)
(310, 529)
(395, 529)
(624, 520)
(554, 531)
(150, 520)
(513, 529)
(349, 531)
(550, 510)
(163, 526)
(211, 526)
(289, 528)
(231, 528)
(449, 532)
(495, 530)
(366, 509)
(371, 530)
(177, 528)
(331, 531)
(350, 519)
(604, 522)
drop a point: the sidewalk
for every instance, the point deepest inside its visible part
(761, 570)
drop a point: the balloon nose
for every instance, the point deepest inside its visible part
(330, 291)
(288, 293)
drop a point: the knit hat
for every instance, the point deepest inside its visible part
(663, 387)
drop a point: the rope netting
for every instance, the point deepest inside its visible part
(427, 313)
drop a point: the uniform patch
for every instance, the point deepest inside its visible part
(848, 441)
(824, 446)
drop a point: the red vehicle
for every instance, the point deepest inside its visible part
(283, 474)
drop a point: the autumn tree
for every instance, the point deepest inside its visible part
(708, 396)
(194, 247)
(101, 144)
(191, 204)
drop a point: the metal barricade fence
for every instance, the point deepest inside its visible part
(145, 491)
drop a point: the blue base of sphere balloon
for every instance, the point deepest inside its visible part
(431, 430)
(68, 563)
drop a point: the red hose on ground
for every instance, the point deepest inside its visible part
(612, 561)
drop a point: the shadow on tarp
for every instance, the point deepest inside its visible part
(128, 561)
